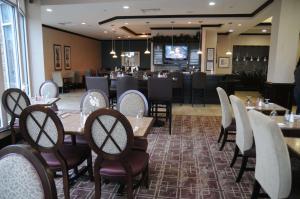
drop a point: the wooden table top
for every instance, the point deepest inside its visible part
(43, 101)
(72, 124)
(293, 144)
(286, 125)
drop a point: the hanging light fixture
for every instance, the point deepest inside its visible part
(122, 52)
(112, 52)
(129, 53)
(229, 51)
(115, 55)
(172, 48)
(199, 52)
(147, 52)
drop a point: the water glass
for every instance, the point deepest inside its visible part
(273, 114)
(248, 101)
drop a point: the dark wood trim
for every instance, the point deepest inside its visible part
(66, 31)
(264, 24)
(256, 34)
(252, 14)
(223, 33)
(132, 32)
(188, 28)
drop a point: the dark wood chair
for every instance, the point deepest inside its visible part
(126, 83)
(43, 130)
(14, 102)
(23, 167)
(160, 99)
(177, 86)
(110, 136)
(199, 84)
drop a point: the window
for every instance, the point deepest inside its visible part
(14, 68)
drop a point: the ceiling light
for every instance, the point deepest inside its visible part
(228, 53)
(119, 37)
(264, 30)
(212, 3)
(128, 36)
(112, 52)
(83, 23)
(49, 10)
(105, 32)
(199, 52)
(115, 56)
(126, 23)
(189, 22)
(231, 30)
(147, 52)
(239, 24)
(126, 7)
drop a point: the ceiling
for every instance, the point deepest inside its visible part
(239, 15)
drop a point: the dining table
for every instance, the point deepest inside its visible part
(72, 124)
(288, 128)
(43, 101)
(267, 108)
(293, 145)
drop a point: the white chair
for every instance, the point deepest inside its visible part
(92, 100)
(244, 136)
(273, 167)
(25, 174)
(131, 102)
(228, 124)
(57, 78)
(49, 88)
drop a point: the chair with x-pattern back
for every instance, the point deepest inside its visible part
(110, 136)
(43, 130)
(14, 102)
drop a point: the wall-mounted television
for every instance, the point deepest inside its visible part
(178, 53)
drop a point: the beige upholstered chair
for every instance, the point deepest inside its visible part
(92, 100)
(49, 88)
(57, 78)
(25, 174)
(228, 124)
(131, 102)
(273, 167)
(244, 136)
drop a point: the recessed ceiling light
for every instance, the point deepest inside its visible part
(119, 37)
(105, 32)
(264, 30)
(83, 23)
(231, 30)
(128, 36)
(126, 7)
(239, 24)
(49, 10)
(189, 22)
(126, 23)
(212, 3)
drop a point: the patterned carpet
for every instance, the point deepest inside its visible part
(186, 164)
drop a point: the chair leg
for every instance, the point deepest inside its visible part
(90, 167)
(66, 183)
(224, 139)
(235, 155)
(221, 134)
(192, 97)
(242, 169)
(129, 187)
(13, 135)
(97, 183)
(146, 177)
(170, 118)
(256, 189)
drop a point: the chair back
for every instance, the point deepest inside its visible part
(160, 89)
(49, 88)
(100, 83)
(132, 102)
(71, 76)
(225, 107)
(244, 134)
(109, 133)
(57, 78)
(88, 73)
(14, 102)
(41, 128)
(273, 166)
(25, 174)
(92, 100)
(77, 77)
(199, 80)
(177, 79)
(126, 83)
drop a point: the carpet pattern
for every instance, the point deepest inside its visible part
(186, 164)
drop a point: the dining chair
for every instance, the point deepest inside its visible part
(199, 84)
(126, 83)
(49, 89)
(92, 100)
(25, 174)
(43, 130)
(131, 103)
(110, 136)
(228, 123)
(77, 79)
(14, 101)
(160, 99)
(177, 85)
(57, 78)
(100, 83)
(273, 167)
(244, 136)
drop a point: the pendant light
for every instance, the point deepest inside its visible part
(112, 52)
(172, 48)
(115, 55)
(129, 53)
(199, 52)
(147, 52)
(229, 51)
(122, 51)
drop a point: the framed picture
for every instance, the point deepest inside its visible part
(209, 65)
(57, 57)
(67, 57)
(210, 54)
(223, 62)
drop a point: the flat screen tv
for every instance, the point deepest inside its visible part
(178, 53)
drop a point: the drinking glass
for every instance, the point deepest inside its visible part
(273, 114)
(138, 119)
(248, 101)
(267, 101)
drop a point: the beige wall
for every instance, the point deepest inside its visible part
(85, 52)
(226, 43)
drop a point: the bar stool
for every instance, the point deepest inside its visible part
(160, 97)
(199, 84)
(177, 85)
